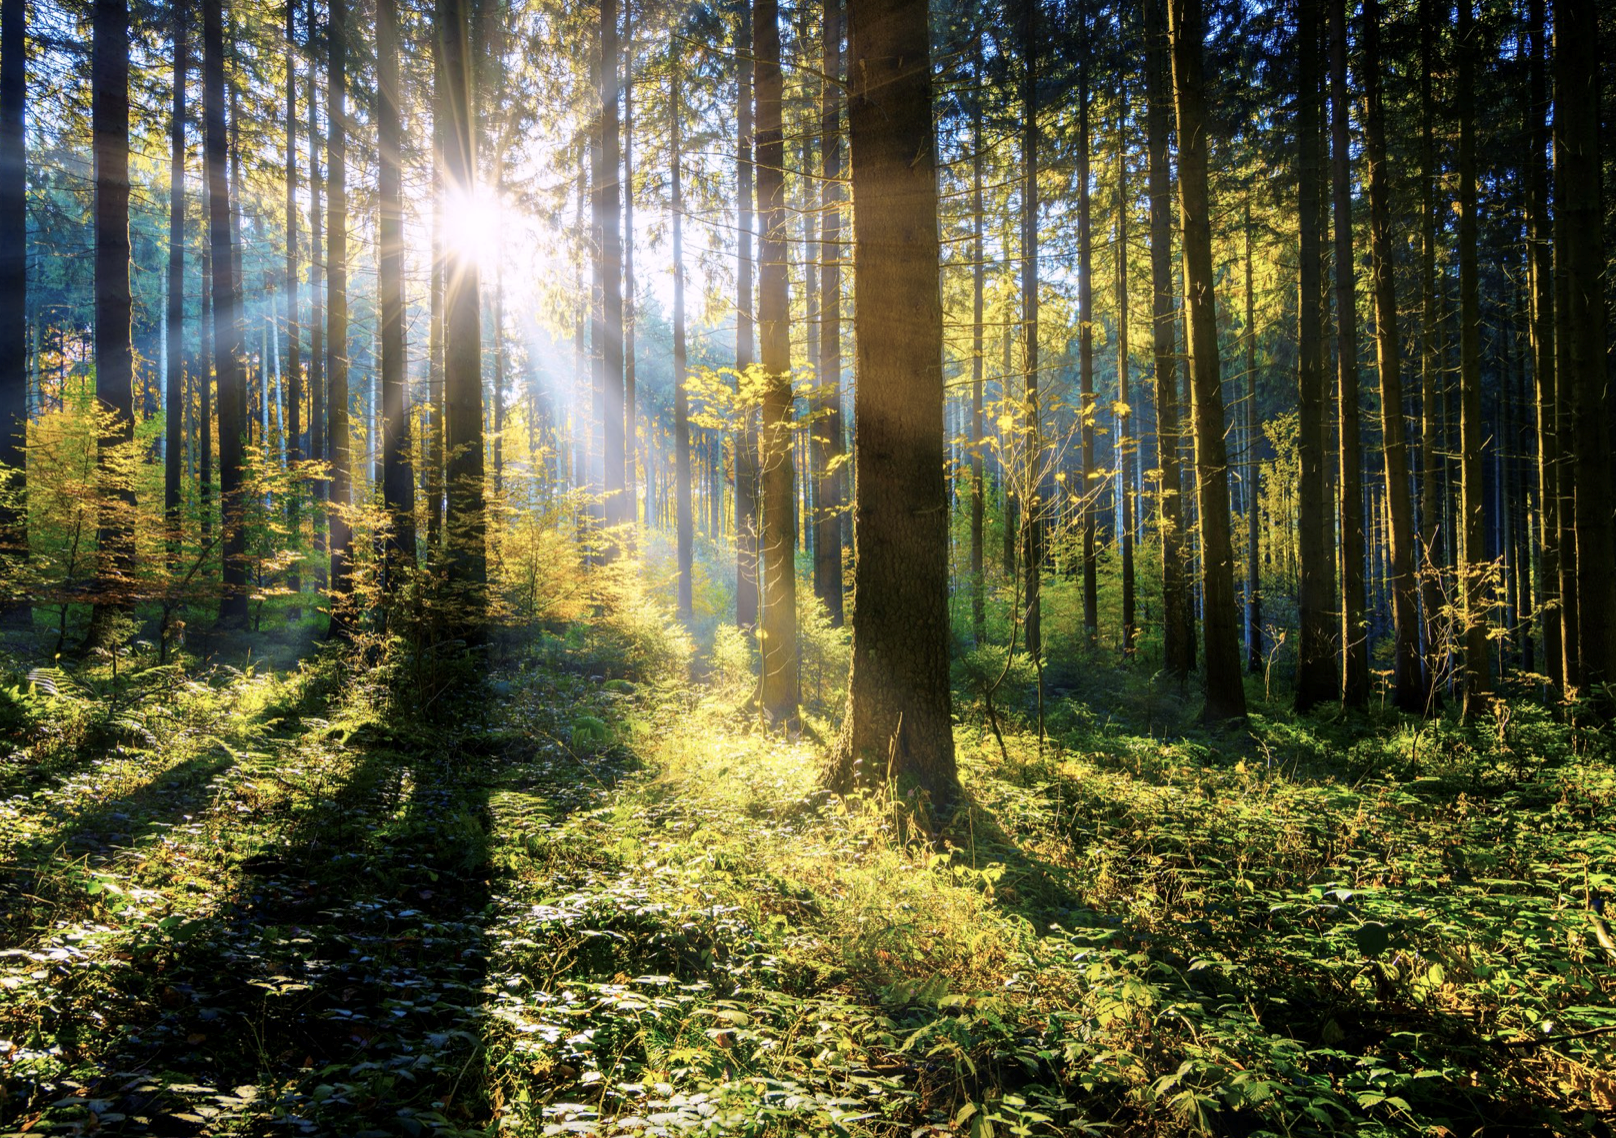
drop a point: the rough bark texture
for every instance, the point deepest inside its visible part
(1178, 628)
(336, 313)
(1315, 668)
(1349, 484)
(464, 524)
(898, 730)
(1225, 690)
(1474, 564)
(746, 507)
(1407, 692)
(777, 535)
(828, 429)
(1577, 166)
(398, 488)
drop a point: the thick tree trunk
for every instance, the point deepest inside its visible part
(1349, 484)
(114, 353)
(1540, 273)
(684, 537)
(898, 731)
(174, 404)
(293, 432)
(1474, 568)
(746, 439)
(1178, 628)
(338, 436)
(828, 430)
(398, 487)
(1315, 668)
(1577, 177)
(464, 525)
(777, 536)
(1407, 691)
(1225, 690)
(1124, 441)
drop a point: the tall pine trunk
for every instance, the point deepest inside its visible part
(631, 434)
(898, 729)
(1255, 663)
(398, 488)
(684, 537)
(608, 216)
(828, 430)
(746, 439)
(1349, 484)
(293, 433)
(978, 277)
(1407, 692)
(1032, 449)
(173, 470)
(319, 447)
(1540, 275)
(1431, 560)
(14, 273)
(338, 435)
(777, 536)
(1124, 441)
(1225, 690)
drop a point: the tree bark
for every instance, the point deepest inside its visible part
(828, 429)
(1178, 628)
(1407, 692)
(608, 216)
(1225, 691)
(1087, 406)
(978, 277)
(1430, 566)
(898, 731)
(1349, 484)
(1540, 272)
(1577, 176)
(398, 487)
(684, 537)
(14, 272)
(1124, 442)
(174, 404)
(1032, 525)
(1475, 565)
(1315, 669)
(293, 433)
(1255, 663)
(777, 536)
(746, 439)
(631, 434)
(336, 316)
(319, 442)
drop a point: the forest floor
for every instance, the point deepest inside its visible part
(265, 901)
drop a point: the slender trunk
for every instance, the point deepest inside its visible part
(1124, 442)
(1032, 527)
(398, 489)
(1225, 692)
(319, 445)
(608, 222)
(336, 315)
(1430, 565)
(173, 472)
(205, 391)
(1407, 693)
(1577, 176)
(681, 401)
(1088, 407)
(1178, 628)
(434, 348)
(1315, 669)
(1475, 566)
(114, 353)
(1540, 270)
(746, 440)
(898, 732)
(14, 266)
(631, 434)
(978, 274)
(831, 491)
(292, 432)
(1254, 633)
(1349, 484)
(777, 536)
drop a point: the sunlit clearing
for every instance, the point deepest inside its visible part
(471, 225)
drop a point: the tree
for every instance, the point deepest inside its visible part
(1178, 627)
(978, 275)
(1124, 444)
(1430, 362)
(898, 730)
(1540, 291)
(608, 218)
(1406, 689)
(398, 488)
(175, 331)
(1225, 692)
(777, 535)
(294, 334)
(829, 493)
(1087, 406)
(746, 439)
(681, 400)
(13, 288)
(1315, 671)
(1354, 630)
(1475, 568)
(1578, 159)
(1032, 525)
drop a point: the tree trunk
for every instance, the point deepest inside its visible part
(464, 525)
(1124, 441)
(1032, 525)
(1407, 692)
(1315, 669)
(1255, 663)
(1430, 566)
(293, 432)
(398, 488)
(173, 471)
(1088, 408)
(1178, 629)
(1475, 565)
(1577, 176)
(608, 221)
(1354, 628)
(777, 536)
(1540, 271)
(14, 271)
(978, 274)
(1225, 691)
(898, 731)
(114, 353)
(828, 425)
(746, 439)
(631, 434)
(684, 538)
(319, 442)
(336, 315)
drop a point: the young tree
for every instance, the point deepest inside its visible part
(898, 730)
(777, 536)
(1225, 691)
(1407, 693)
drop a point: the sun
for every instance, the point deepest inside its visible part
(472, 223)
